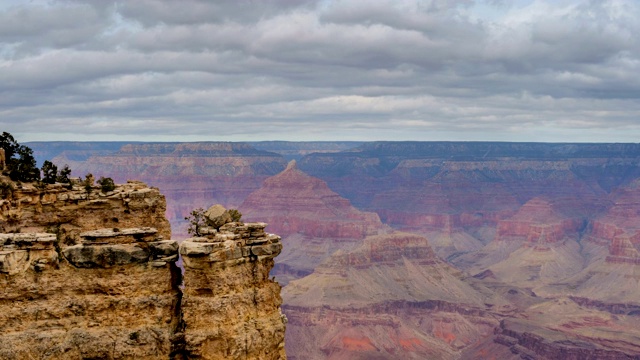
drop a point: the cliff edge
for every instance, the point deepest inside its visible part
(92, 275)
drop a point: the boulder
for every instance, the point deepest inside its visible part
(217, 215)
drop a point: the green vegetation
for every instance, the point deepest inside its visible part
(106, 184)
(63, 175)
(51, 175)
(236, 215)
(196, 221)
(49, 172)
(24, 167)
(21, 164)
(19, 160)
(88, 183)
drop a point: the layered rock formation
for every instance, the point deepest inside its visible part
(94, 287)
(560, 329)
(296, 203)
(231, 308)
(71, 294)
(314, 221)
(619, 229)
(536, 246)
(435, 184)
(536, 224)
(56, 208)
(390, 298)
(610, 279)
(79, 303)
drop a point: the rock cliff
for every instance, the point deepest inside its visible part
(536, 246)
(314, 221)
(89, 275)
(231, 309)
(390, 298)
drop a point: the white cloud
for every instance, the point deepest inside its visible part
(153, 69)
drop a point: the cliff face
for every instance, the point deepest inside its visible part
(54, 208)
(314, 221)
(390, 298)
(94, 276)
(115, 298)
(231, 309)
(72, 294)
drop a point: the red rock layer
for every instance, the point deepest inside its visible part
(619, 228)
(293, 202)
(538, 222)
(390, 298)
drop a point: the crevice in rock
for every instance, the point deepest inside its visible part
(177, 323)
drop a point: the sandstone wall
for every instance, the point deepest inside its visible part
(230, 307)
(88, 275)
(112, 298)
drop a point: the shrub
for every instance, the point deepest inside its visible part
(235, 215)
(196, 221)
(106, 184)
(88, 183)
(49, 172)
(63, 175)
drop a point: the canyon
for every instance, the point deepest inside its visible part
(451, 250)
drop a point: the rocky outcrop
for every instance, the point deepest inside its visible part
(231, 309)
(115, 295)
(88, 289)
(68, 211)
(539, 224)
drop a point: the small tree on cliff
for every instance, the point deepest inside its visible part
(106, 184)
(24, 167)
(49, 172)
(196, 221)
(236, 215)
(9, 144)
(63, 175)
(88, 183)
(20, 162)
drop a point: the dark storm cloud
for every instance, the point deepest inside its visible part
(150, 69)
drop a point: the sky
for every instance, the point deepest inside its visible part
(249, 70)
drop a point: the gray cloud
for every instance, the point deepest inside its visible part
(253, 70)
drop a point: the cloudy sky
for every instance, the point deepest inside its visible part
(154, 70)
